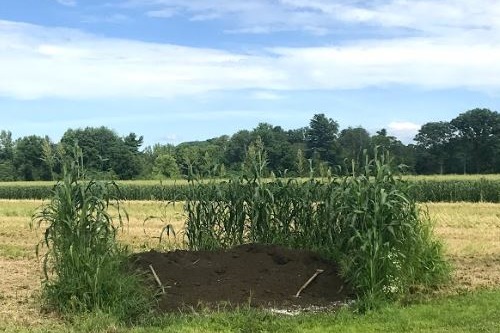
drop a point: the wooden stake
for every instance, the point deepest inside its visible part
(157, 279)
(318, 272)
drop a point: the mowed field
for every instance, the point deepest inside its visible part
(181, 181)
(470, 232)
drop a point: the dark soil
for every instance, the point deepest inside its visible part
(252, 274)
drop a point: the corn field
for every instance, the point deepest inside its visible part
(422, 190)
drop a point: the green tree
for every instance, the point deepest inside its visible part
(7, 170)
(478, 135)
(104, 152)
(400, 153)
(280, 155)
(435, 138)
(6, 146)
(188, 157)
(236, 149)
(28, 159)
(149, 155)
(321, 138)
(382, 140)
(297, 136)
(166, 166)
(352, 142)
(133, 142)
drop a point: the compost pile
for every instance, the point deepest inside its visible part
(251, 274)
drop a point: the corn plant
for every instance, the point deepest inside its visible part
(364, 219)
(84, 266)
(379, 234)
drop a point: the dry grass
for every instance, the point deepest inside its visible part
(471, 233)
(142, 234)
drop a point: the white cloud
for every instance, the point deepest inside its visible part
(421, 17)
(67, 2)
(251, 16)
(404, 126)
(47, 62)
(53, 62)
(404, 130)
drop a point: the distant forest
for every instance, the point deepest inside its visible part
(469, 143)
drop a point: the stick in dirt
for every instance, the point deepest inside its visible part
(318, 272)
(157, 279)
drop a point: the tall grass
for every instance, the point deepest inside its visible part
(85, 268)
(365, 220)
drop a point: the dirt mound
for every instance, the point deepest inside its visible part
(259, 275)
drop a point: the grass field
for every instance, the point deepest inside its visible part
(471, 233)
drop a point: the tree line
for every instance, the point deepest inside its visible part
(469, 143)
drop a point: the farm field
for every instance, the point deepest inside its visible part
(181, 181)
(471, 233)
(447, 188)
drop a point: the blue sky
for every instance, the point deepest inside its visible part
(183, 70)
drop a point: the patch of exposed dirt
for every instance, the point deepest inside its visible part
(252, 274)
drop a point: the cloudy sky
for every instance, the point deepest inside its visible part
(182, 70)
